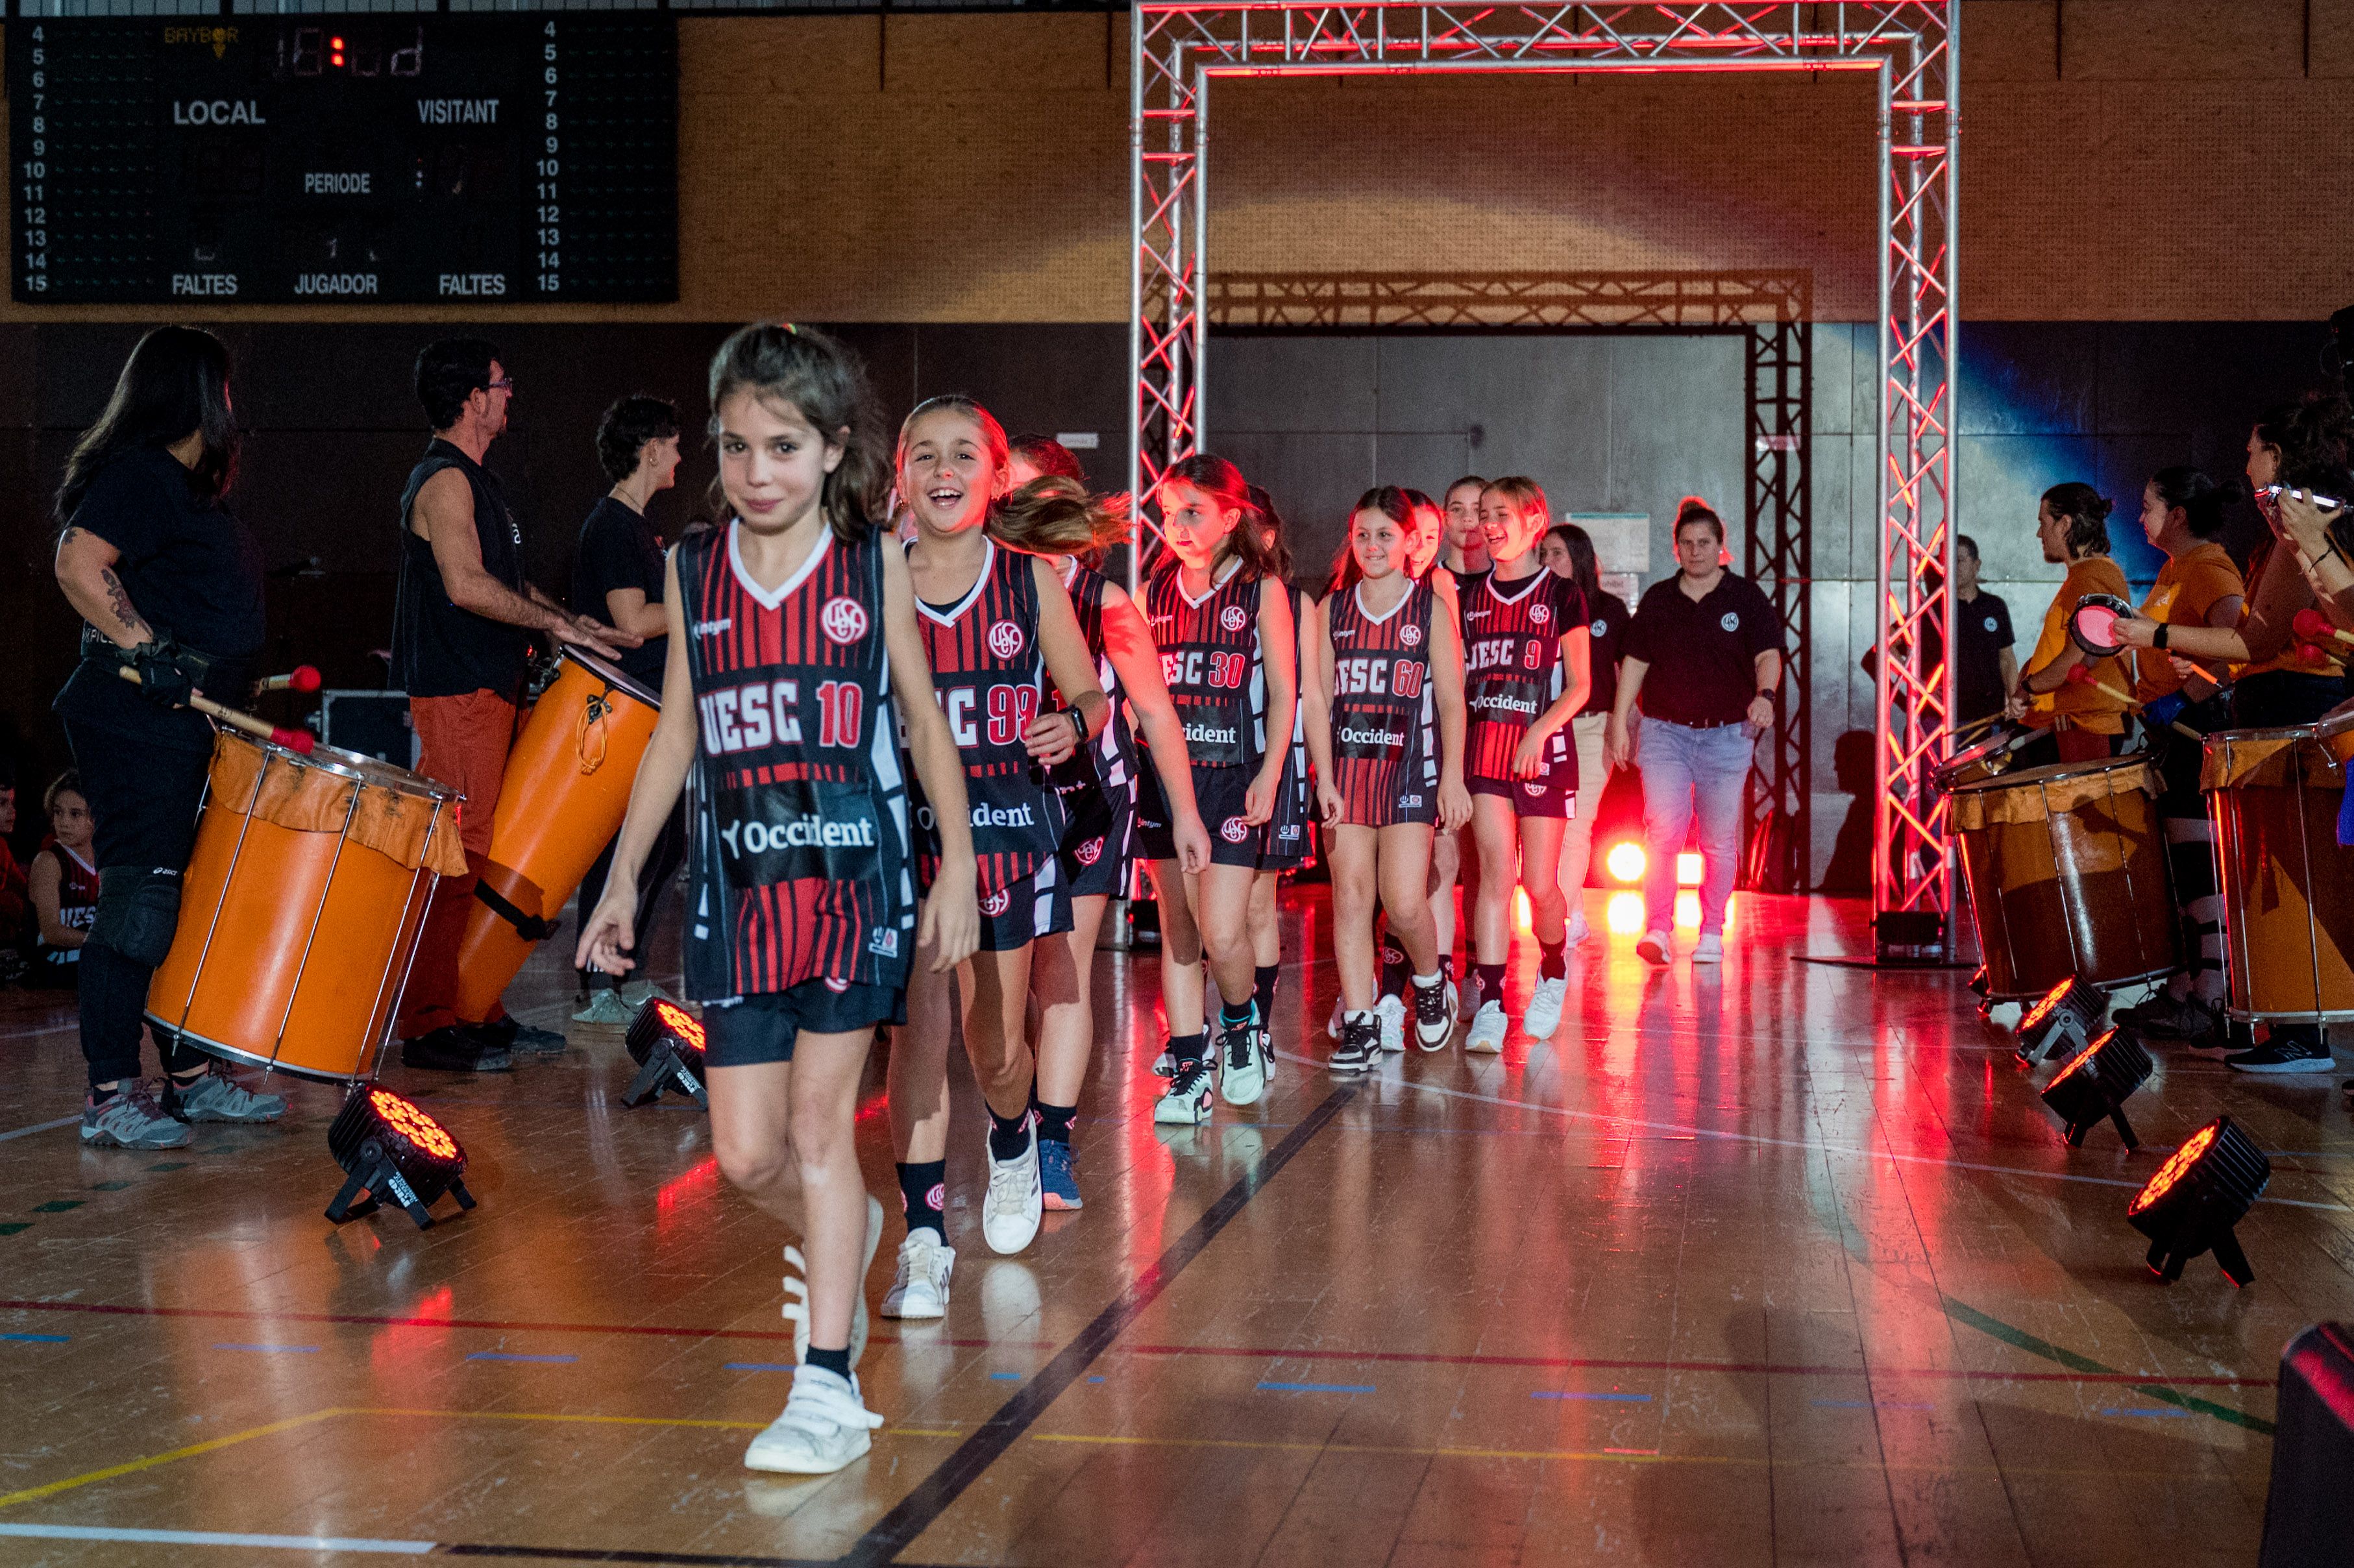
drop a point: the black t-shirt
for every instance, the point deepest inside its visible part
(619, 549)
(1607, 629)
(1702, 652)
(1981, 631)
(439, 650)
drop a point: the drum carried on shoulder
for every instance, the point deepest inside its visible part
(566, 790)
(301, 908)
(2288, 901)
(2067, 874)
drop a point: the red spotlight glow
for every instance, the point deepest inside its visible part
(2177, 1163)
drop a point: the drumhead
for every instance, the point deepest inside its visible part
(355, 766)
(605, 670)
(2093, 624)
(2054, 772)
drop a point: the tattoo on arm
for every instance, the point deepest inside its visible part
(119, 602)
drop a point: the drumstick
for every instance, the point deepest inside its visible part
(302, 678)
(2081, 675)
(300, 741)
(2314, 626)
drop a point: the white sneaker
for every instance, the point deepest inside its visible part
(1656, 947)
(797, 1289)
(1165, 1064)
(1487, 1036)
(1186, 1102)
(1543, 1015)
(825, 1427)
(1242, 1074)
(1391, 1012)
(1578, 929)
(920, 1289)
(1709, 950)
(1016, 1200)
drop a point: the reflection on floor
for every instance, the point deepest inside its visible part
(1770, 1261)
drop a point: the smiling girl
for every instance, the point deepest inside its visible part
(996, 624)
(786, 706)
(1221, 616)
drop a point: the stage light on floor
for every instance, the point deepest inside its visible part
(389, 1148)
(1689, 868)
(1623, 914)
(1626, 862)
(1688, 909)
(666, 1043)
(2097, 1082)
(2197, 1197)
(2064, 1019)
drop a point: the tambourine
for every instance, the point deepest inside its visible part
(2093, 624)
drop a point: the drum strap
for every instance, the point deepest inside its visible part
(529, 928)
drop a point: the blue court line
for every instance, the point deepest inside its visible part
(1867, 1405)
(37, 1338)
(502, 1356)
(761, 1366)
(274, 1350)
(39, 1126)
(1581, 1394)
(219, 1538)
(2165, 1412)
(1005, 1377)
(1316, 1388)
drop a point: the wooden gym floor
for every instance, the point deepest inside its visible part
(1783, 1263)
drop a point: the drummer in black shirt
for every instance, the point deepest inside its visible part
(617, 576)
(1987, 672)
(168, 584)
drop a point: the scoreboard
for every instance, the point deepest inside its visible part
(392, 158)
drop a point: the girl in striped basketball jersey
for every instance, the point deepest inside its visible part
(1222, 620)
(1385, 704)
(793, 650)
(1524, 677)
(997, 623)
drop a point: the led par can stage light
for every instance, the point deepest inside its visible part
(2197, 1197)
(666, 1043)
(2096, 1081)
(2065, 1019)
(389, 1148)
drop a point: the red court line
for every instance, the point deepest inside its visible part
(1241, 1352)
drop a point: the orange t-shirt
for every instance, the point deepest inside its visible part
(2189, 585)
(2297, 656)
(2084, 707)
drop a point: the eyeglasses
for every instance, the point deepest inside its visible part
(503, 384)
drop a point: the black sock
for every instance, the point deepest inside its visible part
(835, 1362)
(1233, 1017)
(922, 1191)
(1491, 982)
(1054, 1122)
(1395, 969)
(1188, 1047)
(1551, 965)
(1009, 1136)
(1263, 991)
(99, 1097)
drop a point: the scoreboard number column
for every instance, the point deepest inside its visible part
(32, 174)
(550, 188)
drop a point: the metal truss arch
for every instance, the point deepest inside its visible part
(1178, 46)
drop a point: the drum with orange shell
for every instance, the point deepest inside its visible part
(2288, 905)
(566, 790)
(301, 908)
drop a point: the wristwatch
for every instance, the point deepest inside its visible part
(2159, 638)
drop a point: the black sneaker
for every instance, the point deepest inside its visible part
(2167, 1017)
(1434, 1018)
(1361, 1044)
(455, 1049)
(2212, 1036)
(516, 1037)
(2281, 1056)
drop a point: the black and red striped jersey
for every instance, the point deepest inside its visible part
(1212, 661)
(1110, 761)
(1384, 719)
(1512, 664)
(800, 846)
(990, 678)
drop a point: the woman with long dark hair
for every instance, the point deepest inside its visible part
(1567, 550)
(168, 584)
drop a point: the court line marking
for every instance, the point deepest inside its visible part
(1995, 1327)
(1316, 1388)
(133, 1466)
(938, 1492)
(39, 1126)
(1257, 1352)
(219, 1538)
(1798, 1143)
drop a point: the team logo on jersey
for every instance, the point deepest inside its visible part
(844, 619)
(884, 943)
(1600, 629)
(1005, 639)
(997, 903)
(1410, 636)
(1989, 624)
(1089, 852)
(1731, 622)
(1539, 614)
(1235, 830)
(1533, 788)
(1233, 617)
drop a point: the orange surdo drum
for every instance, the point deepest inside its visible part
(2067, 875)
(301, 908)
(2289, 897)
(564, 793)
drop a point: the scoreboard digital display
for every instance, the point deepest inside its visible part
(389, 158)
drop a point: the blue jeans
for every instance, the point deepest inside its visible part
(1684, 770)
